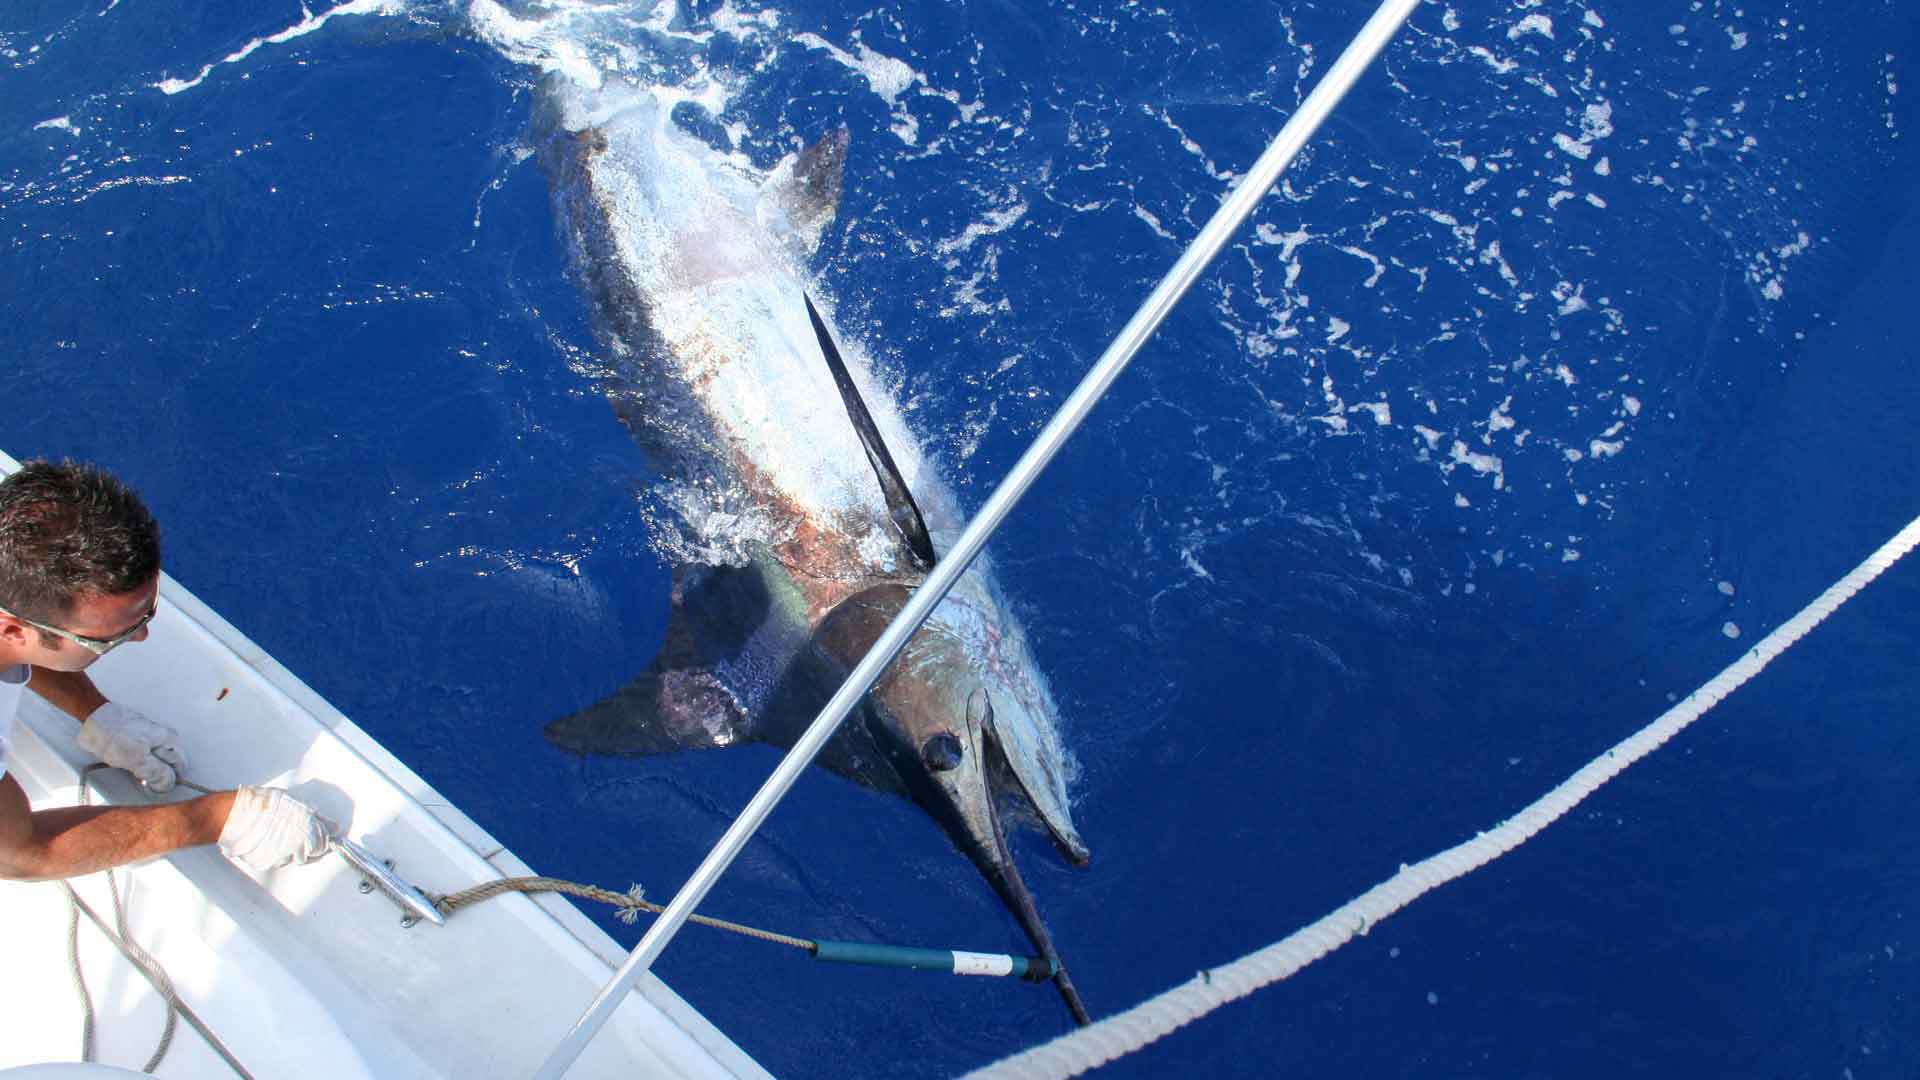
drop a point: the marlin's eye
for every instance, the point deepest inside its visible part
(942, 752)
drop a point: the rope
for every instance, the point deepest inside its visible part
(79, 975)
(1151, 1020)
(142, 960)
(155, 973)
(136, 955)
(631, 903)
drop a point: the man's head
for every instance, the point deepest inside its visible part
(78, 552)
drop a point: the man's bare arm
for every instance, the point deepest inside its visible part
(74, 840)
(72, 692)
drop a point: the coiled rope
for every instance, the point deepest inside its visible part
(142, 961)
(129, 948)
(80, 975)
(1153, 1019)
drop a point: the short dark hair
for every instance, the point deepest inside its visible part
(67, 531)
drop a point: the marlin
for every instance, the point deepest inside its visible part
(806, 512)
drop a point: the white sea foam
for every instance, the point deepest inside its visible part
(1571, 300)
(1381, 412)
(994, 221)
(1193, 564)
(1153, 222)
(1500, 419)
(1379, 267)
(1531, 24)
(1596, 120)
(544, 44)
(744, 25)
(1492, 257)
(305, 26)
(887, 76)
(1484, 464)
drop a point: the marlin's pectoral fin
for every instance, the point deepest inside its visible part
(677, 703)
(659, 712)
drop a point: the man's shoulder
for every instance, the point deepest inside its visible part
(11, 680)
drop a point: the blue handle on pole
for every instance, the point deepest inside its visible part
(1031, 968)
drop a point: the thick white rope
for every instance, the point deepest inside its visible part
(1123, 1033)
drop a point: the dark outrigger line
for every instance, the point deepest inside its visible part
(900, 505)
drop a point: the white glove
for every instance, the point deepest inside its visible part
(124, 739)
(268, 829)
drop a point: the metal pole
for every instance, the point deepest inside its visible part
(1333, 86)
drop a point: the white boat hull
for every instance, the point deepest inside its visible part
(301, 974)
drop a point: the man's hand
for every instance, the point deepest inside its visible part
(124, 739)
(269, 828)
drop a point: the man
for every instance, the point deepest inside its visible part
(80, 576)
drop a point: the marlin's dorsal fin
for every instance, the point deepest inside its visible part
(803, 193)
(900, 505)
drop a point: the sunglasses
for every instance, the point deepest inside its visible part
(96, 645)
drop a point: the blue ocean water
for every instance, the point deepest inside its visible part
(1573, 356)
